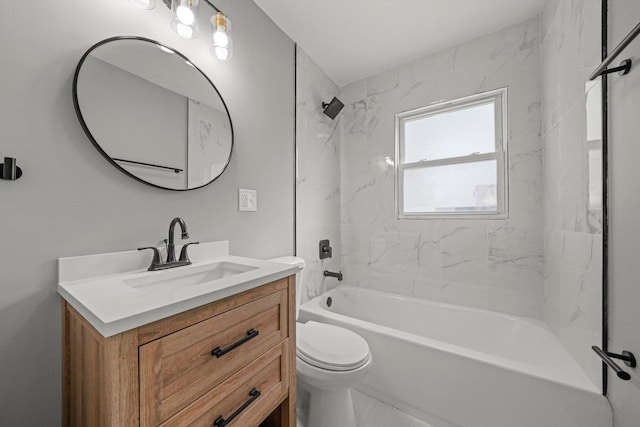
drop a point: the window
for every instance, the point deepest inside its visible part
(451, 159)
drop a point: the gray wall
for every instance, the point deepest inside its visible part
(71, 201)
(162, 139)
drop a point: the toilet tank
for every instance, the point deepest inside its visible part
(298, 262)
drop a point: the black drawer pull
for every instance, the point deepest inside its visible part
(221, 422)
(218, 352)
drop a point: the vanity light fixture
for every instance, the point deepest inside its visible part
(185, 18)
(221, 43)
(184, 21)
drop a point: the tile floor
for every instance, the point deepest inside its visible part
(371, 412)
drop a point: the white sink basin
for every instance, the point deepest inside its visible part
(180, 279)
(115, 292)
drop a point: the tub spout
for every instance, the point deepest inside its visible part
(337, 275)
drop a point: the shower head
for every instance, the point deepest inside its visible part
(333, 108)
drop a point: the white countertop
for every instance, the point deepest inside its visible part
(98, 286)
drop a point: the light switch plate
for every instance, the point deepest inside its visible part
(247, 200)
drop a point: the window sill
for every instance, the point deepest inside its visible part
(454, 216)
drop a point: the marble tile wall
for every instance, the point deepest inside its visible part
(491, 264)
(317, 176)
(572, 177)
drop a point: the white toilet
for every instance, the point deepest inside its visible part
(330, 359)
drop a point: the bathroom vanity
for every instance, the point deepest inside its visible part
(208, 344)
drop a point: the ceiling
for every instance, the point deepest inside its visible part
(353, 39)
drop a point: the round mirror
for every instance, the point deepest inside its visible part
(152, 113)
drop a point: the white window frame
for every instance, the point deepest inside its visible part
(499, 98)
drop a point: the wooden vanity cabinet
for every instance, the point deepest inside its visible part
(196, 368)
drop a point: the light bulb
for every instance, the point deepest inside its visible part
(185, 15)
(221, 53)
(220, 38)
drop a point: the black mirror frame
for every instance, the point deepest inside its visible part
(95, 143)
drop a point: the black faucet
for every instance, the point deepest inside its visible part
(171, 247)
(157, 263)
(337, 275)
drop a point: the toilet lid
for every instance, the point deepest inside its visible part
(330, 347)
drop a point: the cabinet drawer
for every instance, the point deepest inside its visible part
(179, 368)
(267, 376)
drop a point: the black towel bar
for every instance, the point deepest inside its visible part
(176, 170)
(625, 66)
(626, 356)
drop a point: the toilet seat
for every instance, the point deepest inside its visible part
(331, 347)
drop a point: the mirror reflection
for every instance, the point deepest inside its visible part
(152, 113)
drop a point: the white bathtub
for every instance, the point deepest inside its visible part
(456, 366)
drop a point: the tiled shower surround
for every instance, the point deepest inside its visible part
(491, 264)
(545, 260)
(317, 175)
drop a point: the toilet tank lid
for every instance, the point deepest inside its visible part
(292, 260)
